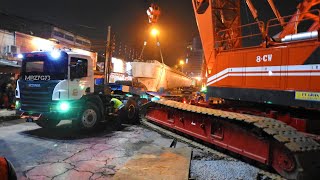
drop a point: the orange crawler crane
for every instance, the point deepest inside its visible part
(275, 67)
(265, 77)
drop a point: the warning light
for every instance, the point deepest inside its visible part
(20, 56)
(55, 54)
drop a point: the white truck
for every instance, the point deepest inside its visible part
(57, 85)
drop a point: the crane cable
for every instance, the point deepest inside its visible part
(160, 51)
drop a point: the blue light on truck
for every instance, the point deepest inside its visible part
(20, 56)
(55, 54)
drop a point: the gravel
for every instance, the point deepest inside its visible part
(207, 166)
(222, 170)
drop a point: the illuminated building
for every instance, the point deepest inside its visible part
(194, 58)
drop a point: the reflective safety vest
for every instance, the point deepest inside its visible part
(117, 103)
(4, 171)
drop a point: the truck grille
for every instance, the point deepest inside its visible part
(37, 99)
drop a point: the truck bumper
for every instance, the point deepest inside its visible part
(47, 116)
(70, 114)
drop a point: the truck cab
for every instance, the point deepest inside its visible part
(56, 85)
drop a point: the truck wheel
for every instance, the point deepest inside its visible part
(48, 123)
(89, 117)
(130, 114)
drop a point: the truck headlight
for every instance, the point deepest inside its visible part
(63, 106)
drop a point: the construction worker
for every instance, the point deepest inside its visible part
(7, 171)
(117, 111)
(117, 104)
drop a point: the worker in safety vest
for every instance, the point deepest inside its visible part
(7, 171)
(117, 104)
(118, 110)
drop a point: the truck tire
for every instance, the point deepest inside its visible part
(48, 123)
(130, 114)
(89, 117)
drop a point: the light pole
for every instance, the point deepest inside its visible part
(141, 54)
(108, 58)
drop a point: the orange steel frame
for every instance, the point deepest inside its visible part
(272, 65)
(232, 67)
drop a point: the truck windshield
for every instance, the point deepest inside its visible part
(44, 68)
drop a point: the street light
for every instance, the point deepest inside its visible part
(154, 32)
(181, 62)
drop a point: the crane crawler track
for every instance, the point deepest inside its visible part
(262, 173)
(287, 135)
(292, 154)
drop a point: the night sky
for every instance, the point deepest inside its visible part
(129, 21)
(127, 17)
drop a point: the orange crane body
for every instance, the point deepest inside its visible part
(283, 69)
(273, 67)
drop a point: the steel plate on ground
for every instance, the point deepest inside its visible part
(157, 163)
